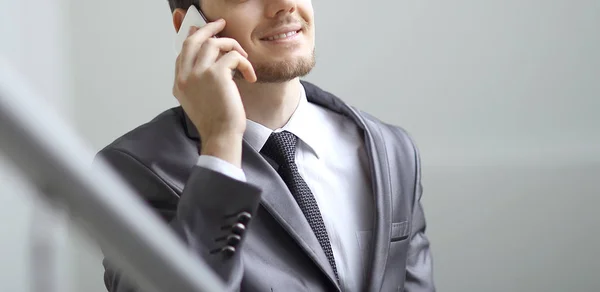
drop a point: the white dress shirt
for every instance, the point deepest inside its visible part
(332, 159)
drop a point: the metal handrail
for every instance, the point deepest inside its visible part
(56, 161)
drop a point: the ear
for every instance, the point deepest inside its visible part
(178, 16)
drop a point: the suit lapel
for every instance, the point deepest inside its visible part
(279, 202)
(380, 182)
(380, 172)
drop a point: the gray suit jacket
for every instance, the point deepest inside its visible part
(278, 250)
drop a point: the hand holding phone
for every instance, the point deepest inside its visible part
(205, 88)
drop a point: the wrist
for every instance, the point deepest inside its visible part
(227, 147)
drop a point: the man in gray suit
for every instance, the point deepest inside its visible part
(276, 184)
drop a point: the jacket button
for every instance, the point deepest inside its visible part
(238, 228)
(244, 217)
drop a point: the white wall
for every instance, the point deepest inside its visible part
(501, 96)
(475, 80)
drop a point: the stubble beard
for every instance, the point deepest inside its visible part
(282, 71)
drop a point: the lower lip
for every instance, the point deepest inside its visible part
(285, 39)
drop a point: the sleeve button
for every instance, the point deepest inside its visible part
(233, 240)
(244, 217)
(238, 228)
(228, 250)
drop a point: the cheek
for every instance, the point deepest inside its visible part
(306, 9)
(240, 23)
(235, 28)
(306, 13)
(242, 37)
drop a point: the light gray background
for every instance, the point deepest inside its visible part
(503, 98)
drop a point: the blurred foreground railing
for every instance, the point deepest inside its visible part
(54, 160)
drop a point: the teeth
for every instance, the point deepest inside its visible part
(281, 36)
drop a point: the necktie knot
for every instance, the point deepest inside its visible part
(281, 147)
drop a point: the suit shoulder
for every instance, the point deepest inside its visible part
(394, 136)
(164, 133)
(154, 159)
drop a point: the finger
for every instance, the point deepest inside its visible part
(178, 61)
(212, 49)
(211, 28)
(193, 29)
(193, 43)
(234, 60)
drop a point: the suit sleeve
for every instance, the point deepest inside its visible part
(419, 263)
(211, 215)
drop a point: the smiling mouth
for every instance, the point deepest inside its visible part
(282, 35)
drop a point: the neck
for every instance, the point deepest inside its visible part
(270, 104)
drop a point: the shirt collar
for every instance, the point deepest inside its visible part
(303, 123)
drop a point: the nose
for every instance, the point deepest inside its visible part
(278, 8)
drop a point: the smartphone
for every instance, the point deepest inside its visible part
(193, 17)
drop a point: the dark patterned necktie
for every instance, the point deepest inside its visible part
(281, 147)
